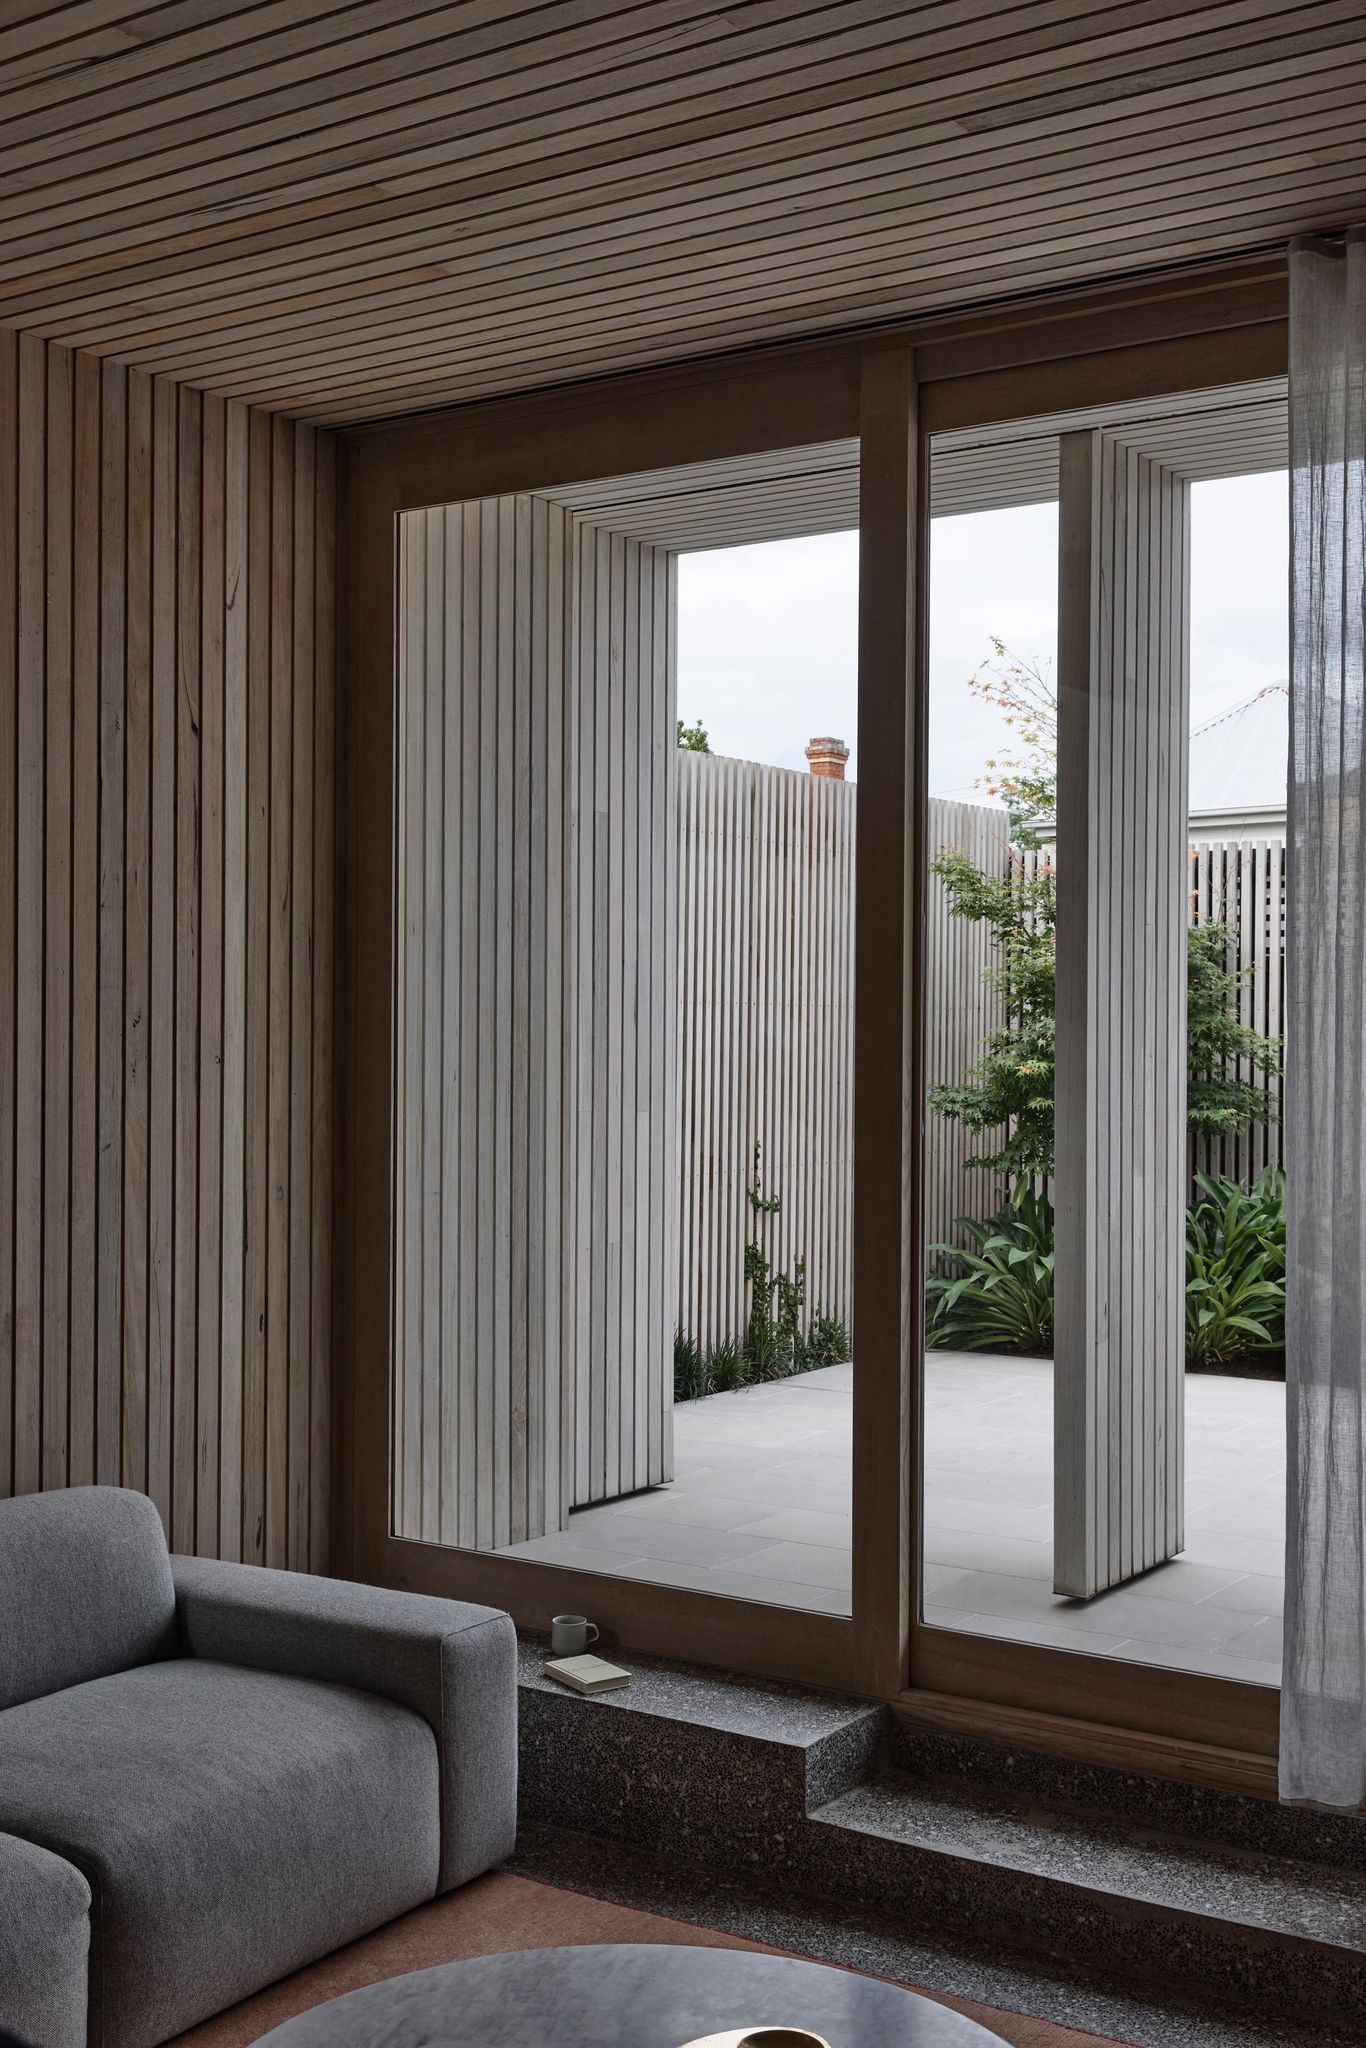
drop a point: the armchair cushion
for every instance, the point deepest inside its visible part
(453, 1663)
(233, 1825)
(85, 1589)
(44, 1945)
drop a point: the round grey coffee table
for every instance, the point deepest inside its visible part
(626, 1996)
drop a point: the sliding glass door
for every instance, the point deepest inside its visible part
(670, 1047)
(609, 1281)
(1103, 1462)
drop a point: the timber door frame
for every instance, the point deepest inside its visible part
(650, 422)
(1212, 1729)
(894, 388)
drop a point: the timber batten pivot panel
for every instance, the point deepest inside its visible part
(535, 1024)
(1123, 717)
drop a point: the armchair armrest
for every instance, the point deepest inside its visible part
(44, 1945)
(452, 1663)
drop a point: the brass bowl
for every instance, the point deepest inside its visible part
(761, 2037)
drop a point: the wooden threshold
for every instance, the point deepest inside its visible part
(785, 1643)
(1185, 1758)
(1177, 1706)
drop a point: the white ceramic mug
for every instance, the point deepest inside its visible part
(570, 1634)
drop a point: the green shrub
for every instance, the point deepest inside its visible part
(691, 1378)
(998, 1294)
(766, 1353)
(727, 1368)
(1235, 1268)
(827, 1342)
(1000, 1297)
(1007, 1098)
(765, 1356)
(774, 1345)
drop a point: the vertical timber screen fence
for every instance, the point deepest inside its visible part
(766, 993)
(766, 997)
(1241, 883)
(766, 1012)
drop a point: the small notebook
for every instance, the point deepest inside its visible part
(587, 1674)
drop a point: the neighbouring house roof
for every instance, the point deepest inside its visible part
(1238, 762)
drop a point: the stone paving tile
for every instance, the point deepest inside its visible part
(1008, 1628)
(802, 1525)
(636, 1536)
(700, 1510)
(1184, 1580)
(766, 1477)
(1121, 1613)
(562, 1550)
(806, 1564)
(1214, 1663)
(992, 1518)
(774, 1592)
(1255, 1591)
(975, 1550)
(1264, 1640)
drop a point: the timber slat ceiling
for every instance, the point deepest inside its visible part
(348, 211)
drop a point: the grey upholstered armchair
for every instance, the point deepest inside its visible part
(212, 1774)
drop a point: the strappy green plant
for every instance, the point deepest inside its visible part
(998, 1292)
(1235, 1268)
(727, 1368)
(691, 1377)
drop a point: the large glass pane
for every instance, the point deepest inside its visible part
(625, 828)
(1104, 1452)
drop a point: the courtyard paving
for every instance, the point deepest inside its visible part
(761, 1503)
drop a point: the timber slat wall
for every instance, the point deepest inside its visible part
(166, 706)
(536, 1023)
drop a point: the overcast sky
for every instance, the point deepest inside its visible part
(767, 635)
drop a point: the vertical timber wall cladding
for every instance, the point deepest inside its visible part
(536, 1030)
(166, 658)
(1123, 720)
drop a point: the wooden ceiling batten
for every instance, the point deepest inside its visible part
(677, 174)
(548, 115)
(351, 212)
(252, 313)
(298, 339)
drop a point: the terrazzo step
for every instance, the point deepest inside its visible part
(1172, 1806)
(1170, 1888)
(1281, 1934)
(692, 1763)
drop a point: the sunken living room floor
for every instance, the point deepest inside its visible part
(504, 1911)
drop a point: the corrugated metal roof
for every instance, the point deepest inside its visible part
(1238, 758)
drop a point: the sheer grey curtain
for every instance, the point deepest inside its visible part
(1323, 1703)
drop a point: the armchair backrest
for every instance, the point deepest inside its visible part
(85, 1589)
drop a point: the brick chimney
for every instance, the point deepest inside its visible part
(827, 757)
